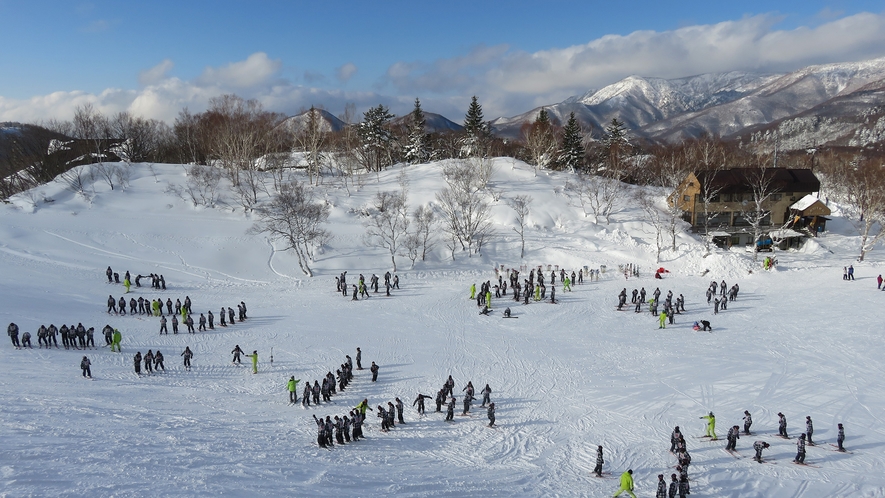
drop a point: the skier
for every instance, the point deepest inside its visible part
(809, 430)
(118, 337)
(158, 361)
(748, 421)
(149, 362)
(187, 354)
(211, 318)
(254, 357)
(163, 326)
(662, 487)
(840, 438)
(622, 298)
(440, 399)
(374, 370)
(127, 284)
(800, 450)
(122, 305)
(705, 325)
(626, 484)
(711, 426)
(662, 320)
(599, 462)
(359, 359)
(305, 396)
(399, 411)
(315, 392)
(674, 436)
(420, 402)
(189, 321)
(12, 331)
(84, 365)
(202, 323)
(467, 400)
(109, 273)
(321, 431)
(716, 306)
(136, 361)
(450, 409)
(396, 282)
(486, 392)
(732, 437)
(491, 414)
(112, 304)
(230, 315)
(759, 446)
(682, 456)
(174, 324)
(782, 426)
(674, 487)
(292, 385)
(236, 352)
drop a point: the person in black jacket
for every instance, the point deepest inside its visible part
(84, 365)
(136, 361)
(374, 370)
(491, 414)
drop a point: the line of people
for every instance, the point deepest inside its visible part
(72, 337)
(361, 290)
(157, 281)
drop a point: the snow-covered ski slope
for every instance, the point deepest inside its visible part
(565, 377)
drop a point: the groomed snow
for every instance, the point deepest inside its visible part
(565, 377)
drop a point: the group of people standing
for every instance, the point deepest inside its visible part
(361, 290)
(73, 337)
(157, 281)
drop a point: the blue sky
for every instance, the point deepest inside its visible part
(154, 58)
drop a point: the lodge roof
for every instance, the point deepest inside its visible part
(782, 179)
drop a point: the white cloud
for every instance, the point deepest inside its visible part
(345, 72)
(518, 78)
(257, 69)
(507, 82)
(156, 73)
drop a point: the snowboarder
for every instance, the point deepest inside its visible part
(748, 421)
(187, 355)
(599, 462)
(626, 484)
(237, 352)
(759, 446)
(782, 426)
(84, 366)
(491, 414)
(800, 450)
(711, 425)
(374, 370)
(254, 357)
(732, 437)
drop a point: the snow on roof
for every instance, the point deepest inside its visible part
(785, 233)
(804, 203)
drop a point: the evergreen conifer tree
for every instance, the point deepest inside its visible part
(376, 137)
(417, 149)
(476, 131)
(571, 151)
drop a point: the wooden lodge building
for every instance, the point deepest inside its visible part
(794, 213)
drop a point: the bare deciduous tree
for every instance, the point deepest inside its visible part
(654, 216)
(521, 205)
(202, 184)
(388, 223)
(598, 195)
(425, 228)
(467, 215)
(294, 216)
(756, 211)
(861, 185)
(311, 140)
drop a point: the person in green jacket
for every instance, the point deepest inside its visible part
(115, 344)
(293, 389)
(363, 406)
(489, 299)
(711, 425)
(662, 320)
(626, 483)
(254, 357)
(473, 291)
(127, 284)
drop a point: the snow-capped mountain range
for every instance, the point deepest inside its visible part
(817, 104)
